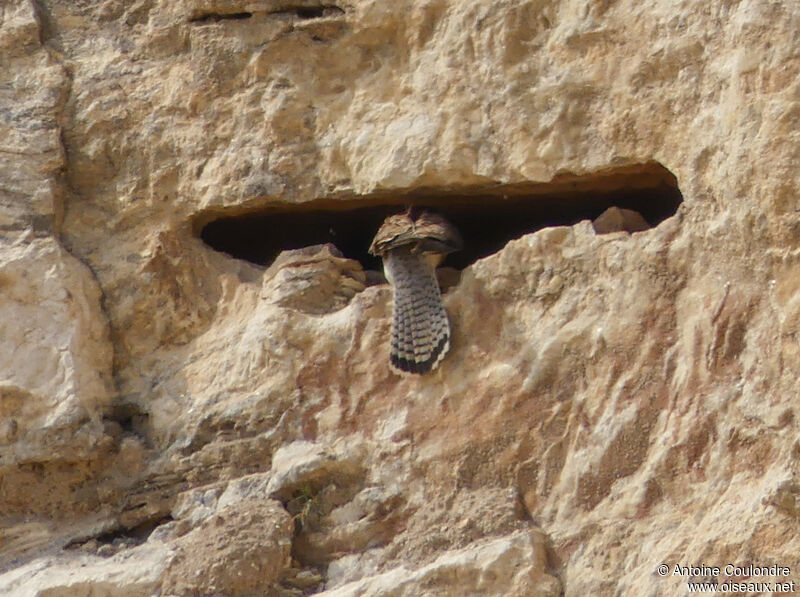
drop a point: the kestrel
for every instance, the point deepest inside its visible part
(412, 245)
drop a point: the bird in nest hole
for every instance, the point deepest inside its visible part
(412, 245)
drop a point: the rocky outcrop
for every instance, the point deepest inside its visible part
(617, 395)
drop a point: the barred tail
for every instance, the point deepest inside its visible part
(420, 328)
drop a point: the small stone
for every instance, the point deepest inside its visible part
(616, 219)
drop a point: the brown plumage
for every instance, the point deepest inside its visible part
(412, 245)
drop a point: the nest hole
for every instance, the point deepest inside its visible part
(214, 17)
(488, 216)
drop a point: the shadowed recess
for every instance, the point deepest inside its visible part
(301, 12)
(212, 17)
(488, 216)
(127, 537)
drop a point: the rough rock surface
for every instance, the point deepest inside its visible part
(177, 421)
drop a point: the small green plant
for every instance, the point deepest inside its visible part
(304, 507)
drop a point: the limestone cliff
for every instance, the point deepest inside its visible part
(177, 420)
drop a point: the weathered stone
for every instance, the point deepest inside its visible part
(315, 280)
(614, 392)
(616, 219)
(303, 464)
(512, 566)
(55, 355)
(128, 574)
(239, 550)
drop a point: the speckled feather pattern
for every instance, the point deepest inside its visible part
(412, 244)
(420, 328)
(430, 232)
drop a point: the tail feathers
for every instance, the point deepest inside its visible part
(420, 328)
(404, 363)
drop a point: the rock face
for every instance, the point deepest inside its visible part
(178, 421)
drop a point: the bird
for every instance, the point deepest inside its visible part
(412, 245)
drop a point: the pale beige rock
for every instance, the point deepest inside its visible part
(302, 464)
(232, 541)
(508, 566)
(55, 355)
(240, 550)
(314, 280)
(80, 575)
(634, 395)
(616, 219)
